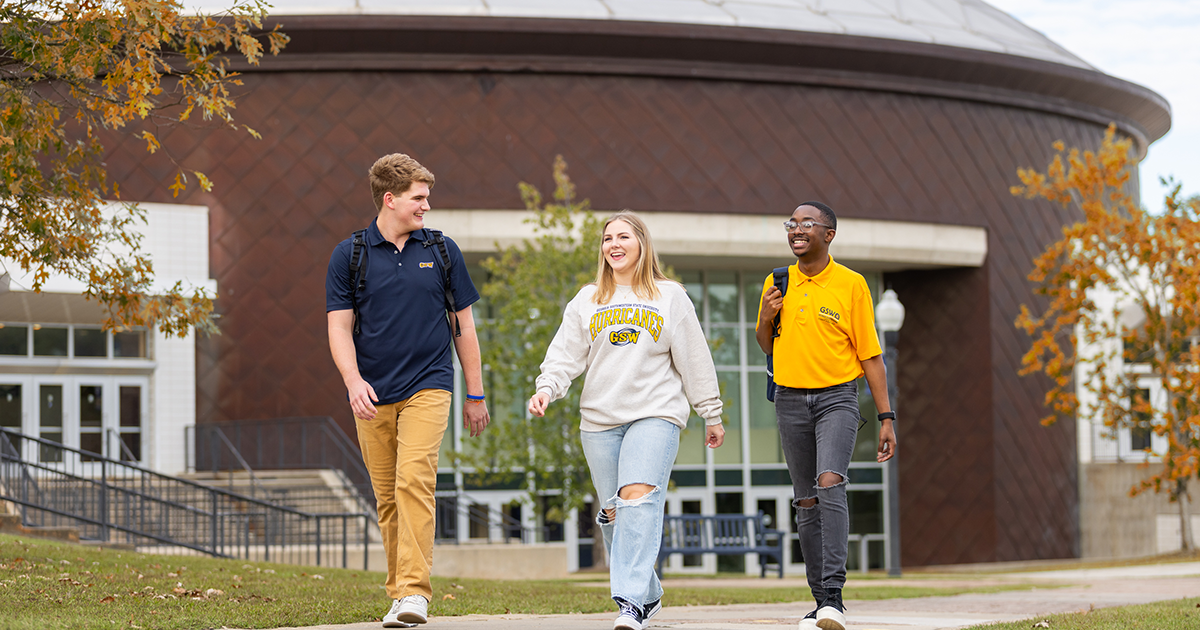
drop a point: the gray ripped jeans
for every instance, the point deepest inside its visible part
(817, 428)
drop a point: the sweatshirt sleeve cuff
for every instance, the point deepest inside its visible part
(708, 422)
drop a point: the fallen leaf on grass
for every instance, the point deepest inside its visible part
(213, 591)
(109, 599)
(447, 596)
(318, 577)
(1045, 623)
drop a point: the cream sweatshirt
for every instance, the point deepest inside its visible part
(644, 359)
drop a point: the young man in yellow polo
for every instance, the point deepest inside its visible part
(827, 339)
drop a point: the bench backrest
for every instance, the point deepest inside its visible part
(696, 531)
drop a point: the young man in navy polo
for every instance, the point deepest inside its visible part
(396, 365)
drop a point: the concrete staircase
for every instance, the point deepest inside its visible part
(10, 523)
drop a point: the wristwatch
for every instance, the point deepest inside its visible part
(887, 415)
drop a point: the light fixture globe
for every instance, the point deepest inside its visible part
(889, 313)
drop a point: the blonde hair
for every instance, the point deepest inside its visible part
(395, 173)
(646, 273)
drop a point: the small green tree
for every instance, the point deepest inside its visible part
(528, 288)
(71, 69)
(1120, 260)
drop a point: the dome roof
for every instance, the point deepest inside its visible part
(963, 23)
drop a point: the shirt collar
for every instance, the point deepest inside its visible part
(822, 279)
(375, 238)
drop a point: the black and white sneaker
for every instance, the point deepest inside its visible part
(630, 617)
(809, 622)
(831, 614)
(652, 609)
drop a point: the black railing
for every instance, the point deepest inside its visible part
(279, 444)
(114, 501)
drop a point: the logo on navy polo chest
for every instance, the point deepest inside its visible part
(427, 265)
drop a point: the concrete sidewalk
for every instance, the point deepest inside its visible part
(1063, 591)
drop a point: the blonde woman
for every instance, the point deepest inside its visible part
(647, 362)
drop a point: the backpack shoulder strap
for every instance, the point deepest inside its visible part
(358, 273)
(779, 276)
(435, 237)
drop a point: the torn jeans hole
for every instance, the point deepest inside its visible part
(844, 480)
(796, 503)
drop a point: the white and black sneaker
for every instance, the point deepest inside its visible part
(630, 617)
(652, 609)
(831, 614)
(809, 622)
(391, 619)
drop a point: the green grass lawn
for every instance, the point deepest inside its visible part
(45, 584)
(1179, 614)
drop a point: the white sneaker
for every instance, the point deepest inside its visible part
(414, 609)
(390, 620)
(809, 622)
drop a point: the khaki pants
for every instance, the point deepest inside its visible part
(400, 449)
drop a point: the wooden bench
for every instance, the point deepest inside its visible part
(723, 534)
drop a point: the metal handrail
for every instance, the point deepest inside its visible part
(156, 508)
(113, 434)
(255, 484)
(347, 458)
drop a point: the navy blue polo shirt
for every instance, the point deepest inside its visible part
(405, 342)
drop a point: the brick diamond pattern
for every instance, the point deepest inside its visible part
(981, 480)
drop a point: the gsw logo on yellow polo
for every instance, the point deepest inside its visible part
(623, 337)
(829, 313)
(428, 265)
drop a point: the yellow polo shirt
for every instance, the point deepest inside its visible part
(827, 328)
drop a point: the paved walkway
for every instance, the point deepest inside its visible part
(1063, 591)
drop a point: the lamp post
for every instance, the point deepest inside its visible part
(889, 313)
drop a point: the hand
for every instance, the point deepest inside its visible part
(887, 441)
(361, 396)
(771, 303)
(538, 403)
(475, 416)
(714, 435)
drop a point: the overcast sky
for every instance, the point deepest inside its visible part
(1154, 43)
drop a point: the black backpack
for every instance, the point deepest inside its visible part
(779, 276)
(358, 275)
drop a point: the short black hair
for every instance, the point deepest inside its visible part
(827, 214)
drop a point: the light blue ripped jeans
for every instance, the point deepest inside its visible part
(642, 451)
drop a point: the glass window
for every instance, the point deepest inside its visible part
(867, 444)
(50, 419)
(91, 405)
(10, 407)
(753, 283)
(731, 393)
(764, 431)
(722, 297)
(131, 406)
(14, 340)
(723, 342)
(90, 342)
(695, 290)
(130, 344)
(866, 511)
(49, 341)
(691, 443)
(1139, 434)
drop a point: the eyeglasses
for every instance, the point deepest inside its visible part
(803, 225)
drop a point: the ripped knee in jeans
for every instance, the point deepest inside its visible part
(807, 503)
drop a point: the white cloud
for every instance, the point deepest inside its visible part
(1149, 42)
